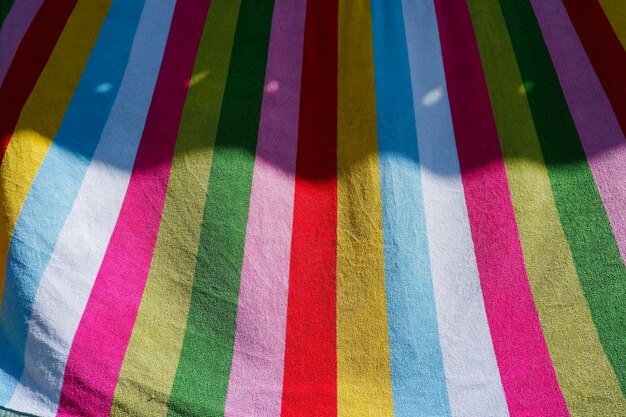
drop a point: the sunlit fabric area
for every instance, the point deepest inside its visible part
(313, 208)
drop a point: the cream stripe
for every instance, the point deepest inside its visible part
(42, 115)
(77, 256)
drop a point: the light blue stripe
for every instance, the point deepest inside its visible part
(55, 187)
(417, 373)
(59, 304)
(468, 358)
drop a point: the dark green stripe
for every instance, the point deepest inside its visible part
(598, 262)
(204, 368)
(5, 6)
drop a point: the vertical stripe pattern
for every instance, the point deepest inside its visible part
(310, 374)
(363, 368)
(312, 208)
(600, 268)
(212, 317)
(165, 302)
(606, 53)
(256, 378)
(43, 113)
(61, 173)
(28, 63)
(598, 128)
(125, 262)
(417, 373)
(13, 30)
(486, 194)
(105, 183)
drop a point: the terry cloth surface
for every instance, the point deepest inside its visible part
(313, 208)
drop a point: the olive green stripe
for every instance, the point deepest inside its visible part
(586, 378)
(601, 271)
(151, 359)
(204, 369)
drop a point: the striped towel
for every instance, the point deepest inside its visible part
(310, 208)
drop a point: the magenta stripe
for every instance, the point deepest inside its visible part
(105, 328)
(597, 125)
(525, 367)
(255, 386)
(14, 28)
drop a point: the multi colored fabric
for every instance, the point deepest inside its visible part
(313, 208)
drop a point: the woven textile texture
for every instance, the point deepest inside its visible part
(313, 208)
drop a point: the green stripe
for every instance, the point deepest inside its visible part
(5, 6)
(598, 262)
(573, 344)
(150, 362)
(204, 369)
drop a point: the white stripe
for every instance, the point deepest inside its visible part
(70, 274)
(472, 375)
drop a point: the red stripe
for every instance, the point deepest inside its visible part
(28, 63)
(100, 342)
(604, 50)
(310, 379)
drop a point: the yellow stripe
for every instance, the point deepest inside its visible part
(150, 363)
(363, 370)
(586, 378)
(42, 114)
(615, 10)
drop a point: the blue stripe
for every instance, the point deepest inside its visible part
(417, 372)
(55, 187)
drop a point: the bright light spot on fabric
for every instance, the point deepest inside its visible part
(432, 97)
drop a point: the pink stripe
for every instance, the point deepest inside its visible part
(255, 386)
(526, 370)
(599, 130)
(100, 343)
(13, 30)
